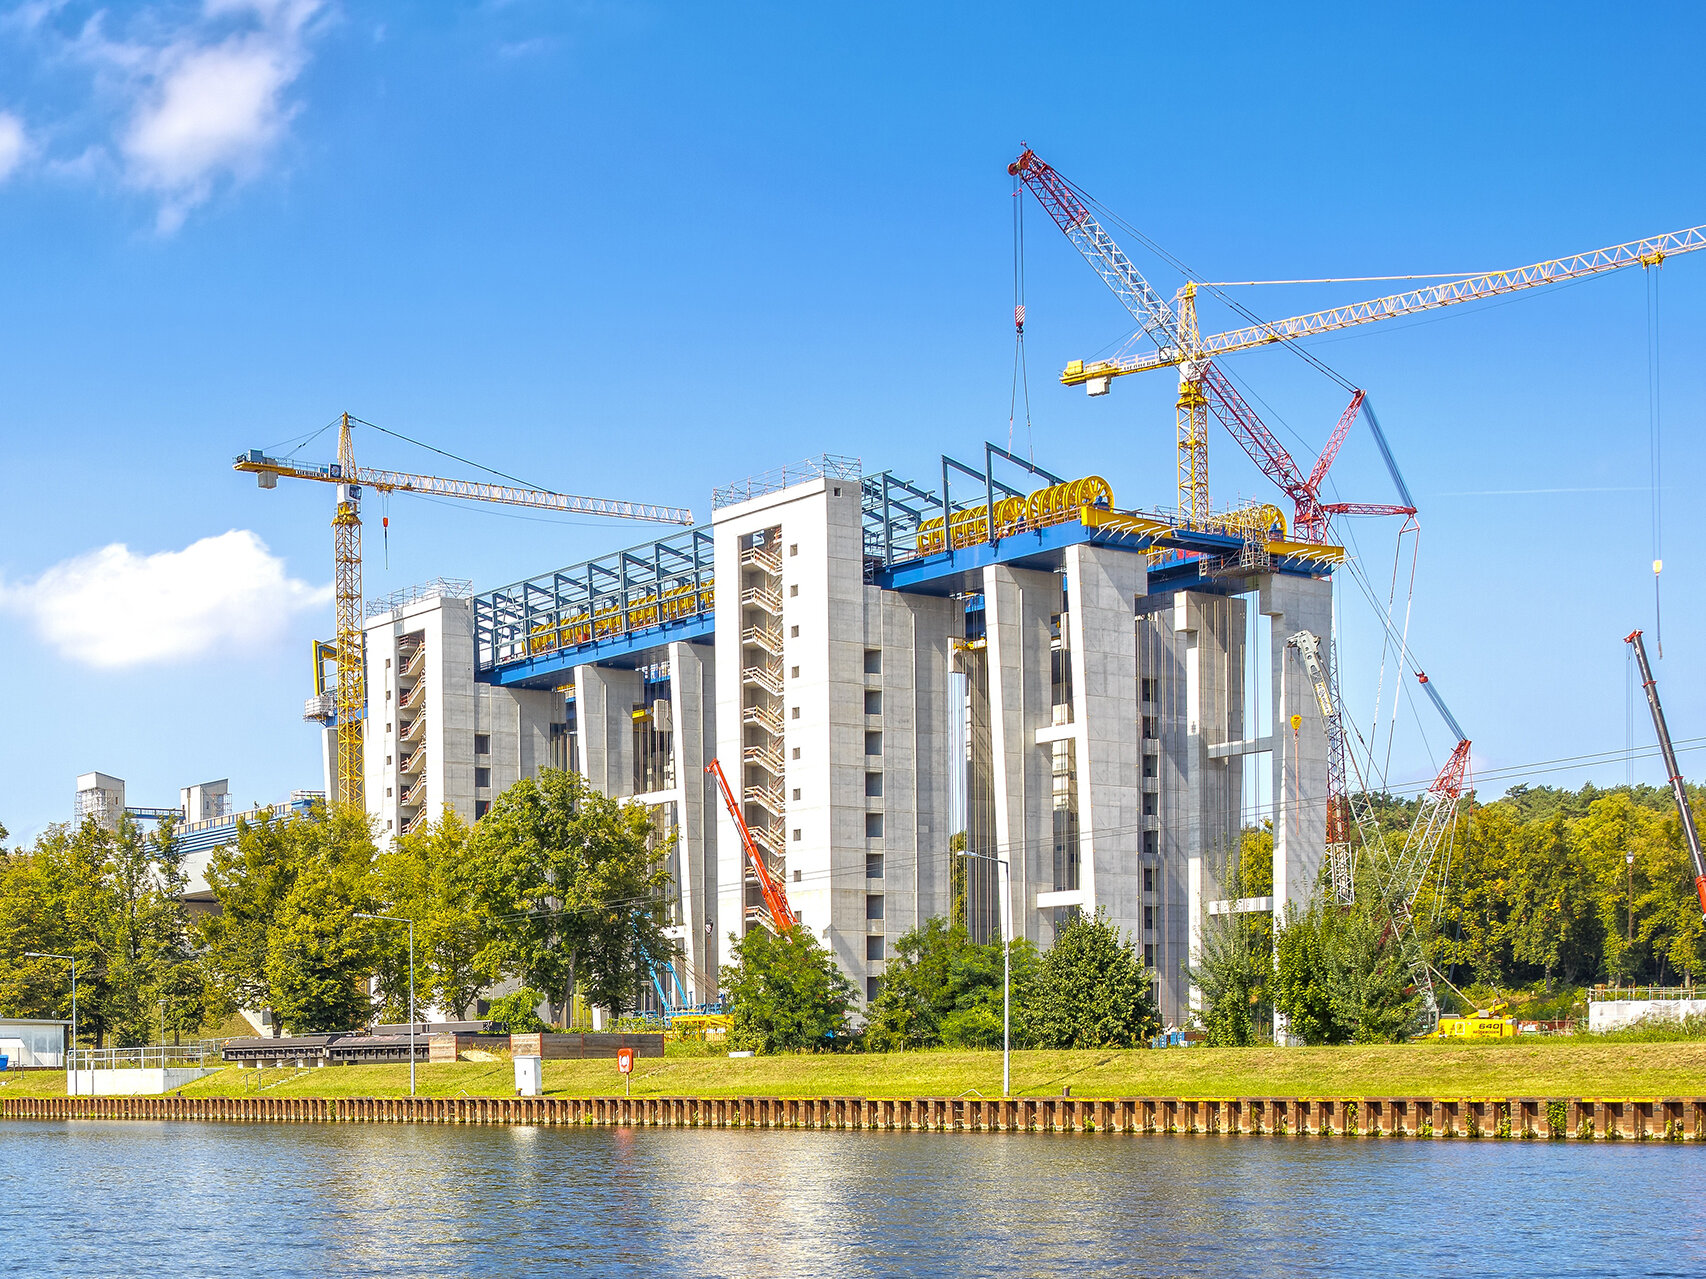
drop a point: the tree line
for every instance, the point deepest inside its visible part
(1090, 989)
(558, 887)
(1542, 891)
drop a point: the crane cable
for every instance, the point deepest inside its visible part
(1654, 438)
(1021, 375)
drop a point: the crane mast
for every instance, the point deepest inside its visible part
(1346, 808)
(350, 650)
(351, 640)
(1674, 773)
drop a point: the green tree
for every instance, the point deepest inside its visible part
(319, 955)
(571, 883)
(942, 988)
(1091, 990)
(1234, 969)
(1303, 987)
(974, 1021)
(111, 899)
(785, 994)
(427, 876)
(253, 880)
(1343, 973)
(518, 1010)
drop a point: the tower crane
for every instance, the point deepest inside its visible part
(1689, 832)
(1203, 388)
(351, 692)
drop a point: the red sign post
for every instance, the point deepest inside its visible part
(625, 1063)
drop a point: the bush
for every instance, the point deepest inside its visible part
(519, 1011)
(1091, 990)
(786, 994)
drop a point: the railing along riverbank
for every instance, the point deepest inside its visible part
(1515, 1118)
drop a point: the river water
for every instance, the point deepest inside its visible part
(185, 1199)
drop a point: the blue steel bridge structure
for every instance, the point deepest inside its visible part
(614, 608)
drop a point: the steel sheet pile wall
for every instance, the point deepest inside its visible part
(1576, 1118)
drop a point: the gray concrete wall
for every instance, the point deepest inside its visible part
(1018, 605)
(1102, 590)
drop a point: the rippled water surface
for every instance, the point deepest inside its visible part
(136, 1198)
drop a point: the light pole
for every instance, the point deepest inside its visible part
(1002, 880)
(398, 919)
(72, 960)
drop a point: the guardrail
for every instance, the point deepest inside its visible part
(150, 1056)
(1625, 994)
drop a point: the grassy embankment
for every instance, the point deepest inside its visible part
(1563, 1067)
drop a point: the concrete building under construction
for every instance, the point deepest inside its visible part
(1087, 694)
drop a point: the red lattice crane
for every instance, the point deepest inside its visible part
(775, 896)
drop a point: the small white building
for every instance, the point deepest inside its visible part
(32, 1043)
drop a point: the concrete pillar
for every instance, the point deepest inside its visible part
(1018, 605)
(1299, 756)
(605, 698)
(693, 707)
(919, 755)
(1102, 587)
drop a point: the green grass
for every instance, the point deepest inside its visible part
(1570, 1066)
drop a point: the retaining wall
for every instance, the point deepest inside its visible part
(1576, 1118)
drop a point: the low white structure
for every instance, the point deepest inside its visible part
(152, 1081)
(1611, 1009)
(33, 1043)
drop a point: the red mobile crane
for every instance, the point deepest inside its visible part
(775, 897)
(1671, 770)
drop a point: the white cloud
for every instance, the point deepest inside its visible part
(13, 144)
(113, 608)
(187, 100)
(212, 109)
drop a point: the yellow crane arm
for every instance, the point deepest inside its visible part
(435, 486)
(1649, 252)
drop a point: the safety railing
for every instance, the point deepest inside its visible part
(824, 466)
(1626, 994)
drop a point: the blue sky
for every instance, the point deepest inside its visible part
(637, 250)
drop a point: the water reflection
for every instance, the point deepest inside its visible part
(310, 1200)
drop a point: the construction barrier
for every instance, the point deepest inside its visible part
(1533, 1118)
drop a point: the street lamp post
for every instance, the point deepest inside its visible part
(72, 960)
(1003, 880)
(398, 919)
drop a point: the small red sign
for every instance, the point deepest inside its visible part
(625, 1060)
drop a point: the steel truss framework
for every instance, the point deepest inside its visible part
(1648, 252)
(629, 590)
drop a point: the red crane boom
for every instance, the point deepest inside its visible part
(775, 897)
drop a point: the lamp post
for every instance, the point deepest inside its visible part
(398, 919)
(72, 960)
(1003, 881)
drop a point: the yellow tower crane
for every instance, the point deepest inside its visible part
(1172, 327)
(351, 692)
